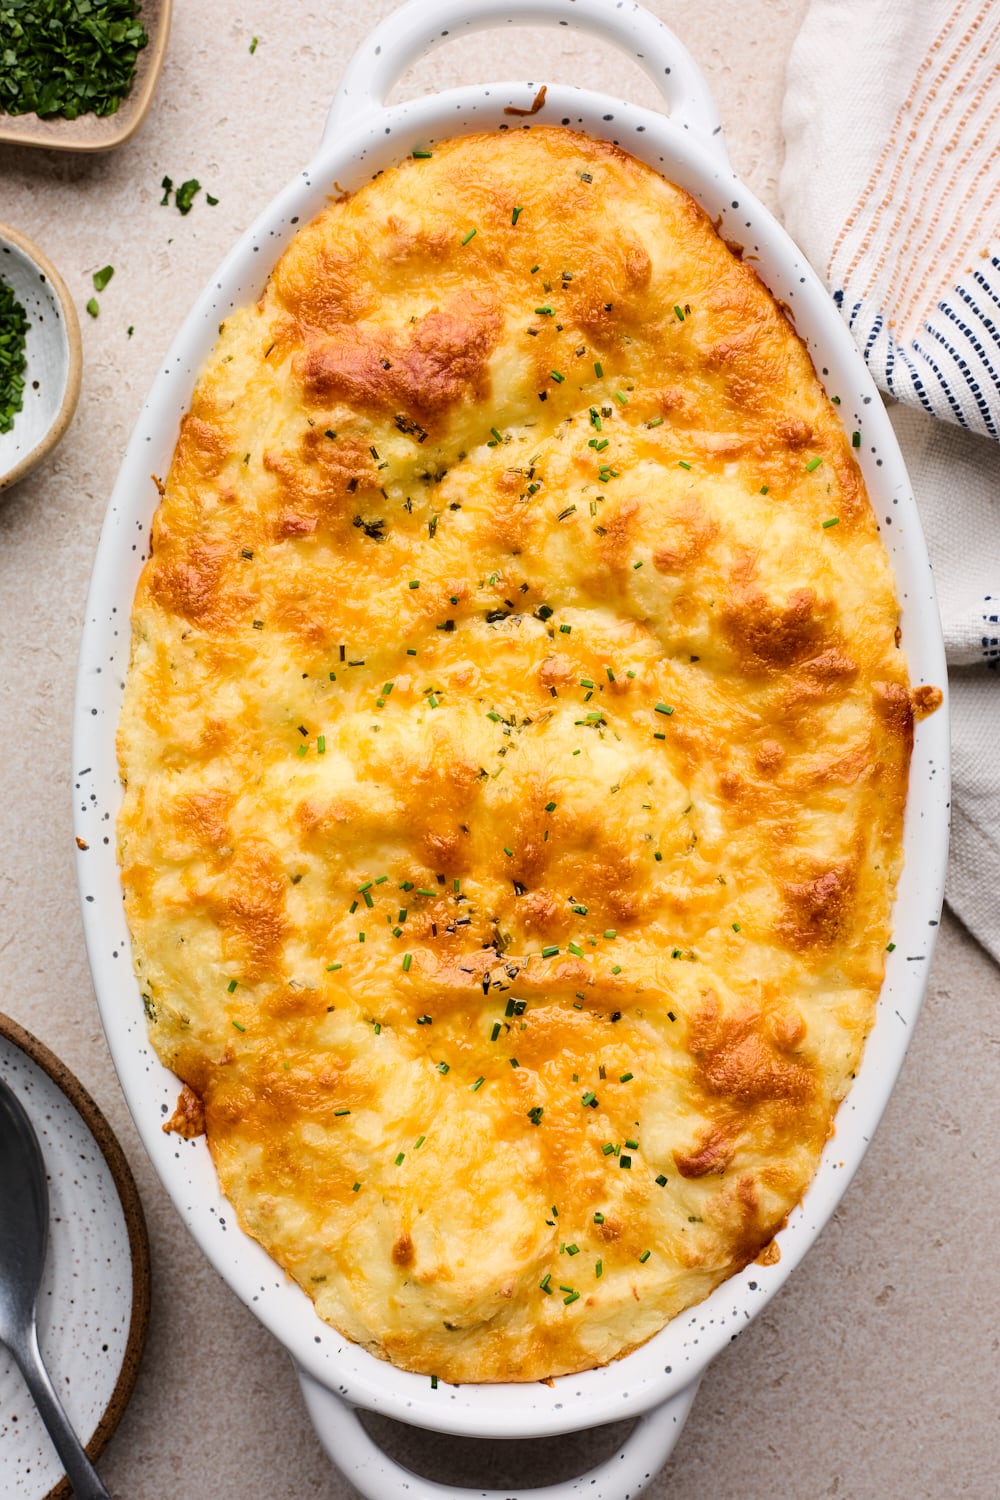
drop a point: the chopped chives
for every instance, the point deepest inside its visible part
(468, 237)
(572, 948)
(557, 377)
(419, 1142)
(855, 440)
(572, 1249)
(545, 311)
(655, 422)
(621, 398)
(573, 1297)
(332, 968)
(341, 1112)
(231, 985)
(565, 629)
(400, 1158)
(683, 464)
(607, 1148)
(598, 1218)
(550, 952)
(443, 1068)
(661, 1181)
(813, 463)
(321, 744)
(625, 1162)
(478, 1084)
(414, 583)
(664, 708)
(626, 1077)
(644, 1257)
(407, 961)
(495, 1032)
(598, 369)
(610, 933)
(550, 807)
(238, 1026)
(356, 1187)
(678, 314)
(423, 155)
(632, 1145)
(833, 521)
(589, 1099)
(544, 1283)
(598, 1269)
(516, 214)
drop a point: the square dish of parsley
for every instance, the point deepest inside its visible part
(78, 74)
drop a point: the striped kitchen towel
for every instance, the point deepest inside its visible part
(891, 185)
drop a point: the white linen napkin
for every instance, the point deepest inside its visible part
(891, 185)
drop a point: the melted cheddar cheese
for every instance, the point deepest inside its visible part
(514, 747)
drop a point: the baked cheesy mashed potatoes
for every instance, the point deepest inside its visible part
(514, 750)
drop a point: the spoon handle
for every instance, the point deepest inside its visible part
(80, 1472)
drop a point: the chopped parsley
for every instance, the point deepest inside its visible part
(13, 360)
(66, 58)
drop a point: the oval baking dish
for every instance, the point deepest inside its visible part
(656, 1382)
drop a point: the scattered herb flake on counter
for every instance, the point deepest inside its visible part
(253, 45)
(13, 328)
(184, 196)
(68, 57)
(102, 277)
(93, 307)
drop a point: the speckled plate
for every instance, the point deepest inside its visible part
(94, 1302)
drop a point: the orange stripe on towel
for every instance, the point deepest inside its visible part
(944, 156)
(941, 268)
(904, 126)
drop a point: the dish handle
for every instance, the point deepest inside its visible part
(421, 25)
(377, 1477)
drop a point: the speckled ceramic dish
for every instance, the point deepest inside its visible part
(101, 132)
(52, 349)
(656, 1383)
(94, 1302)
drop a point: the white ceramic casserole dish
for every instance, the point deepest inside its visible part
(657, 1382)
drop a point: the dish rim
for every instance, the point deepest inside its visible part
(641, 1380)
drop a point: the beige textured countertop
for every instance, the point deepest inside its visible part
(874, 1373)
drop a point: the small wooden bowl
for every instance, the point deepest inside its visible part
(101, 132)
(52, 346)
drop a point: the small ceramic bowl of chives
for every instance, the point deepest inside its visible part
(40, 358)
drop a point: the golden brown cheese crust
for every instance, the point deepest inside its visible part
(515, 748)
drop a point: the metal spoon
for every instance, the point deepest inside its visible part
(24, 1232)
